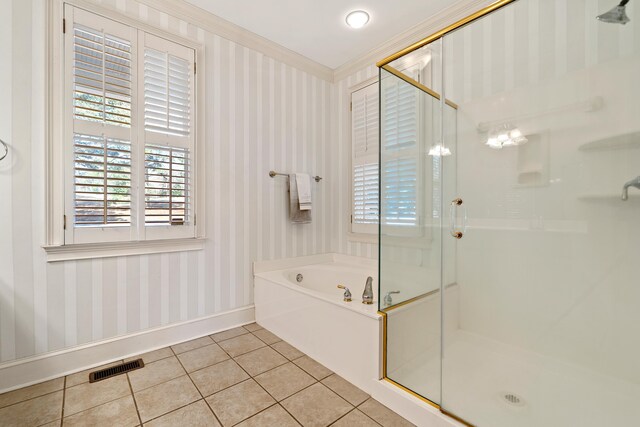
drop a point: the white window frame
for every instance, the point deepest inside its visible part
(361, 233)
(57, 146)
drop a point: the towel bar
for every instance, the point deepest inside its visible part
(273, 174)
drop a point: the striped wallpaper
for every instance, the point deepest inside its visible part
(261, 115)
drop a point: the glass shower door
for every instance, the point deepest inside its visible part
(541, 326)
(410, 220)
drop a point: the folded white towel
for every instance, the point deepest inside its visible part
(303, 182)
(297, 216)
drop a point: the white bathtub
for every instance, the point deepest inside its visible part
(312, 316)
(346, 337)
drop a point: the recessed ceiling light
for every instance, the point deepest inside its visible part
(357, 19)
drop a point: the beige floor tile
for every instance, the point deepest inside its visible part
(155, 373)
(231, 333)
(56, 423)
(314, 368)
(218, 377)
(261, 360)
(83, 376)
(152, 356)
(274, 416)
(267, 336)
(242, 344)
(33, 412)
(195, 415)
(316, 406)
(251, 327)
(120, 412)
(287, 350)
(202, 357)
(239, 402)
(284, 380)
(88, 395)
(355, 418)
(383, 415)
(345, 389)
(166, 397)
(30, 392)
(191, 345)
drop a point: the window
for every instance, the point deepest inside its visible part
(400, 154)
(364, 160)
(129, 133)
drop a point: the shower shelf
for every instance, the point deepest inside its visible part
(618, 142)
(607, 197)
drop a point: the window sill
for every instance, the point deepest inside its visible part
(116, 249)
(362, 237)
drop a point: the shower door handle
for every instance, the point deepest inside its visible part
(456, 231)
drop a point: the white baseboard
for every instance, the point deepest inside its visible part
(33, 370)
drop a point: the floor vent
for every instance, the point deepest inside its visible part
(513, 399)
(112, 371)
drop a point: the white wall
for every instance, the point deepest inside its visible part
(550, 267)
(262, 114)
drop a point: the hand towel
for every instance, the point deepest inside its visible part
(304, 191)
(296, 215)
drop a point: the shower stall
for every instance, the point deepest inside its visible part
(510, 215)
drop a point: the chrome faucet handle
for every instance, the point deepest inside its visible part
(347, 293)
(387, 298)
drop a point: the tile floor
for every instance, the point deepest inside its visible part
(245, 376)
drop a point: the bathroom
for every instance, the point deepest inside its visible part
(319, 213)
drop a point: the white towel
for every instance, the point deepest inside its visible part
(297, 216)
(303, 182)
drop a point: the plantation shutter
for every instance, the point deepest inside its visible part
(364, 146)
(400, 153)
(100, 56)
(168, 138)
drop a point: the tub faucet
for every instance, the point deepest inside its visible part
(388, 300)
(367, 295)
(635, 182)
(347, 293)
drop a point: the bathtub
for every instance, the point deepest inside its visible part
(312, 316)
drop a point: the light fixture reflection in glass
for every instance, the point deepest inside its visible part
(357, 19)
(439, 150)
(505, 135)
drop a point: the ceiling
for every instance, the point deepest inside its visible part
(317, 29)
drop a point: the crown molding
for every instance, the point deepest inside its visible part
(214, 24)
(223, 28)
(445, 17)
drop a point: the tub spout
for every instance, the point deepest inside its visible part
(367, 295)
(635, 182)
(388, 299)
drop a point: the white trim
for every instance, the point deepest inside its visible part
(116, 249)
(33, 370)
(363, 237)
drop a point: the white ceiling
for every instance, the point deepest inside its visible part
(317, 28)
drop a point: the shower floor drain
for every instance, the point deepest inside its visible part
(512, 399)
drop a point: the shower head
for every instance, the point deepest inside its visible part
(617, 15)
